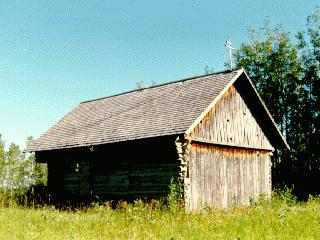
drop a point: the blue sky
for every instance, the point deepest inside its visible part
(56, 54)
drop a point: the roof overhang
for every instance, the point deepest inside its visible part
(254, 101)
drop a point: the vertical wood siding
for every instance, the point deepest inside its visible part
(231, 122)
(221, 177)
(232, 164)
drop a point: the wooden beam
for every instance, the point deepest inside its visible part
(209, 142)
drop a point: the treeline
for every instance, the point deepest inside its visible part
(19, 174)
(286, 72)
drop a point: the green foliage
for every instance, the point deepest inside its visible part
(273, 65)
(208, 70)
(315, 199)
(309, 44)
(287, 196)
(175, 195)
(19, 173)
(38, 171)
(262, 202)
(2, 157)
(267, 220)
(141, 85)
(286, 75)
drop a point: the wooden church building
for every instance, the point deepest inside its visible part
(213, 133)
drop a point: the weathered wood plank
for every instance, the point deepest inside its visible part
(224, 144)
(221, 177)
(231, 123)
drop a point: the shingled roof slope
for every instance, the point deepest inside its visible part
(166, 109)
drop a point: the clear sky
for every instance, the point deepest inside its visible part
(56, 54)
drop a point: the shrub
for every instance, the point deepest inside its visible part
(174, 199)
(286, 195)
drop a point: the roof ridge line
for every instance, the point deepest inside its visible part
(162, 84)
(123, 111)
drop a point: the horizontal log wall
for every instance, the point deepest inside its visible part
(77, 178)
(133, 180)
(109, 177)
(150, 180)
(231, 122)
(127, 170)
(221, 177)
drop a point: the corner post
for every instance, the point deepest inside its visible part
(183, 147)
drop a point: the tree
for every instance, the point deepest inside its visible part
(38, 172)
(13, 179)
(2, 159)
(142, 85)
(208, 70)
(19, 172)
(275, 67)
(309, 46)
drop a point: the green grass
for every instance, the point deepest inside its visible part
(262, 220)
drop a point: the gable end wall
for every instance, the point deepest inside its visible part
(229, 161)
(230, 122)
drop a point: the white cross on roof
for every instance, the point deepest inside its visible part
(230, 51)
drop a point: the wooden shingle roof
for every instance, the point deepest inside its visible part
(167, 109)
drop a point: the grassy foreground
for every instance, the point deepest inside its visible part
(263, 220)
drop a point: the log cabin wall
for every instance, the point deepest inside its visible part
(183, 147)
(136, 169)
(229, 160)
(68, 174)
(126, 170)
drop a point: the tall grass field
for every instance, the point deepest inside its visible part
(264, 219)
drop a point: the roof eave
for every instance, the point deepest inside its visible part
(205, 112)
(280, 137)
(283, 140)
